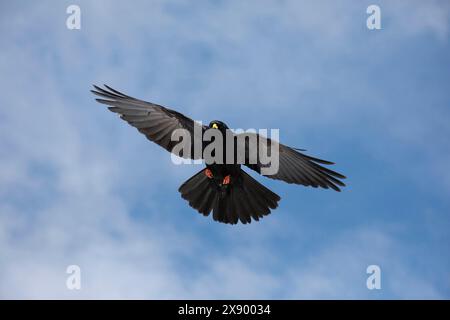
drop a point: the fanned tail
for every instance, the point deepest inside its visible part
(241, 200)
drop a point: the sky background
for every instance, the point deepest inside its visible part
(80, 186)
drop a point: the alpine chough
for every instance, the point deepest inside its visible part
(226, 190)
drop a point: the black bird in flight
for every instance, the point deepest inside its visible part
(228, 191)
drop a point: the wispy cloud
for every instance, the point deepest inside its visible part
(77, 186)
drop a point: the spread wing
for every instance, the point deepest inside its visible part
(156, 122)
(294, 166)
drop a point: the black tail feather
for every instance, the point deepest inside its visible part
(243, 199)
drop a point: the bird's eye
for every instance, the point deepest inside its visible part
(215, 126)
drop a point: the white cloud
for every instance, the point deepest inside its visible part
(65, 168)
(339, 271)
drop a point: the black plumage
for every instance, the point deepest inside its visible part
(226, 190)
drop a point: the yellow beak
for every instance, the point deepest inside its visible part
(215, 126)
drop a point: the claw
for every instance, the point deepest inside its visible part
(208, 173)
(226, 180)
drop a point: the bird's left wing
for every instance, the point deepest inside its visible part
(294, 166)
(156, 122)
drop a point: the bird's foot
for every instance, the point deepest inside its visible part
(226, 180)
(208, 173)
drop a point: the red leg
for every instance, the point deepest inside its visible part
(227, 179)
(208, 173)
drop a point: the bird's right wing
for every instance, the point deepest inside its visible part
(156, 122)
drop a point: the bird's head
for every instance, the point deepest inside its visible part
(216, 124)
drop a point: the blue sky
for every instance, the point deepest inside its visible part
(79, 186)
